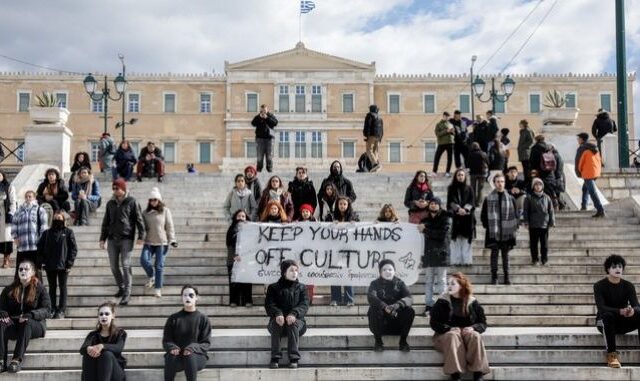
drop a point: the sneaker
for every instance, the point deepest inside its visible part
(125, 299)
(494, 281)
(456, 377)
(293, 364)
(583, 208)
(333, 303)
(448, 174)
(612, 360)
(427, 311)
(535, 263)
(14, 366)
(599, 215)
(158, 293)
(232, 305)
(60, 315)
(350, 304)
(56, 315)
(150, 283)
(248, 305)
(274, 364)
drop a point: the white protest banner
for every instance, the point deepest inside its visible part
(345, 254)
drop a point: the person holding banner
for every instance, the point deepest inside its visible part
(275, 192)
(327, 202)
(343, 213)
(240, 197)
(387, 214)
(390, 311)
(274, 213)
(239, 293)
(417, 197)
(286, 305)
(436, 227)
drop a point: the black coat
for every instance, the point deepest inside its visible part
(302, 192)
(414, 194)
(441, 314)
(481, 134)
(383, 293)
(124, 159)
(536, 158)
(462, 197)
(437, 240)
(286, 298)
(263, 125)
(343, 185)
(517, 183)
(231, 239)
(145, 151)
(39, 311)
(478, 163)
(111, 344)
(121, 220)
(57, 249)
(61, 197)
(559, 172)
(373, 124)
(602, 125)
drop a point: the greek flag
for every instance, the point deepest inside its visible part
(306, 6)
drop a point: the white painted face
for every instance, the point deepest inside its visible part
(453, 287)
(387, 272)
(25, 272)
(189, 297)
(291, 274)
(105, 316)
(616, 270)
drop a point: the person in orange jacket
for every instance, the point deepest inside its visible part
(588, 167)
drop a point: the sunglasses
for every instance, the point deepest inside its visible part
(104, 314)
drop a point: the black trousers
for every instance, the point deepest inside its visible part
(21, 333)
(460, 154)
(613, 323)
(385, 324)
(439, 151)
(103, 368)
(31, 256)
(526, 171)
(189, 364)
(504, 250)
(58, 278)
(239, 293)
(539, 236)
(292, 332)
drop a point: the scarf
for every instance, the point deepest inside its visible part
(85, 184)
(422, 187)
(501, 214)
(275, 194)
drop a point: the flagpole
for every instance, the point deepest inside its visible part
(300, 25)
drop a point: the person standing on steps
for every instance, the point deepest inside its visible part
(27, 226)
(186, 338)
(106, 153)
(125, 160)
(8, 208)
(252, 182)
(302, 192)
(239, 293)
(102, 348)
(343, 213)
(275, 191)
(602, 126)
(342, 184)
(373, 131)
(539, 216)
(461, 205)
(617, 305)
(516, 188)
(500, 221)
(525, 142)
(460, 147)
(390, 311)
(121, 223)
(478, 170)
(588, 167)
(327, 199)
(241, 197)
(445, 133)
(264, 124)
(417, 196)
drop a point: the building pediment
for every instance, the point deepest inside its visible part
(299, 59)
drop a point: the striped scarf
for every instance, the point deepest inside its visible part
(501, 213)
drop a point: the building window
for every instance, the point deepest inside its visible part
(534, 103)
(97, 106)
(348, 149)
(347, 102)
(316, 98)
(429, 103)
(570, 100)
(20, 150)
(169, 151)
(169, 102)
(24, 99)
(300, 98)
(252, 102)
(605, 102)
(316, 144)
(133, 102)
(395, 154)
(429, 151)
(301, 145)
(500, 107)
(283, 145)
(205, 102)
(464, 103)
(61, 99)
(283, 99)
(204, 152)
(94, 150)
(250, 149)
(394, 103)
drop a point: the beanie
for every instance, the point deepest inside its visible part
(155, 194)
(250, 168)
(306, 207)
(386, 262)
(120, 184)
(284, 266)
(436, 200)
(536, 181)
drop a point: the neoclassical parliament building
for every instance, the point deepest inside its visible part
(319, 99)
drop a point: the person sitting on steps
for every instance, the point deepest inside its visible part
(102, 348)
(150, 163)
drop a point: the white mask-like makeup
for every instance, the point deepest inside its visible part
(105, 316)
(387, 272)
(189, 297)
(25, 272)
(616, 270)
(291, 274)
(453, 287)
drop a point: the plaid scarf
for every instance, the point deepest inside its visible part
(501, 214)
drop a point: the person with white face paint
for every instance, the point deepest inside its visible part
(617, 304)
(458, 321)
(24, 308)
(286, 304)
(186, 338)
(102, 349)
(390, 311)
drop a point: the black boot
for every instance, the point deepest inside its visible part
(506, 279)
(456, 377)
(403, 345)
(379, 345)
(477, 376)
(494, 278)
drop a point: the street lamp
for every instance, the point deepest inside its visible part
(473, 61)
(122, 124)
(507, 87)
(90, 86)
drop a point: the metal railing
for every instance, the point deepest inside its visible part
(6, 152)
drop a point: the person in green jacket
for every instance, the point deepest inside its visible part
(525, 142)
(445, 133)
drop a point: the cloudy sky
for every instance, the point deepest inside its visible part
(402, 36)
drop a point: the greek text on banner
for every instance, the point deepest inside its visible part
(345, 254)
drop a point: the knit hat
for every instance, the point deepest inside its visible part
(284, 266)
(306, 207)
(436, 200)
(120, 184)
(386, 262)
(155, 194)
(536, 181)
(584, 136)
(250, 168)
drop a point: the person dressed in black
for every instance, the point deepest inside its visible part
(543, 161)
(239, 293)
(343, 185)
(125, 161)
(102, 348)
(264, 124)
(390, 311)
(516, 187)
(186, 338)
(461, 206)
(373, 131)
(24, 309)
(302, 192)
(286, 304)
(57, 251)
(617, 304)
(602, 125)
(460, 147)
(53, 191)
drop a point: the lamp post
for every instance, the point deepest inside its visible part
(122, 124)
(507, 90)
(104, 95)
(473, 61)
(124, 101)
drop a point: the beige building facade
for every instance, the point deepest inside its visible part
(320, 101)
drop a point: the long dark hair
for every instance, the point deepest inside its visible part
(113, 328)
(4, 184)
(128, 145)
(31, 288)
(347, 215)
(159, 208)
(454, 180)
(87, 160)
(414, 182)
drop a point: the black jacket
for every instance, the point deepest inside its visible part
(496, 156)
(602, 125)
(57, 249)
(414, 194)
(559, 172)
(383, 293)
(187, 330)
(437, 240)
(121, 220)
(343, 185)
(286, 298)
(538, 211)
(302, 192)
(517, 183)
(441, 314)
(462, 197)
(460, 130)
(481, 134)
(263, 125)
(478, 163)
(113, 344)
(255, 187)
(39, 311)
(61, 197)
(373, 124)
(145, 151)
(124, 158)
(536, 156)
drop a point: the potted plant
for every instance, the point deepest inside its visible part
(556, 112)
(48, 110)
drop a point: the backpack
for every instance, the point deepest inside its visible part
(548, 161)
(111, 149)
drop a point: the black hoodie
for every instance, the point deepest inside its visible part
(602, 125)
(343, 185)
(373, 125)
(302, 192)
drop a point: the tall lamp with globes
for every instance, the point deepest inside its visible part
(104, 95)
(507, 87)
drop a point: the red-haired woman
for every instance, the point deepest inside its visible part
(458, 321)
(417, 197)
(274, 191)
(273, 212)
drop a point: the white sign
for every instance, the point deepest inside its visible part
(345, 254)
